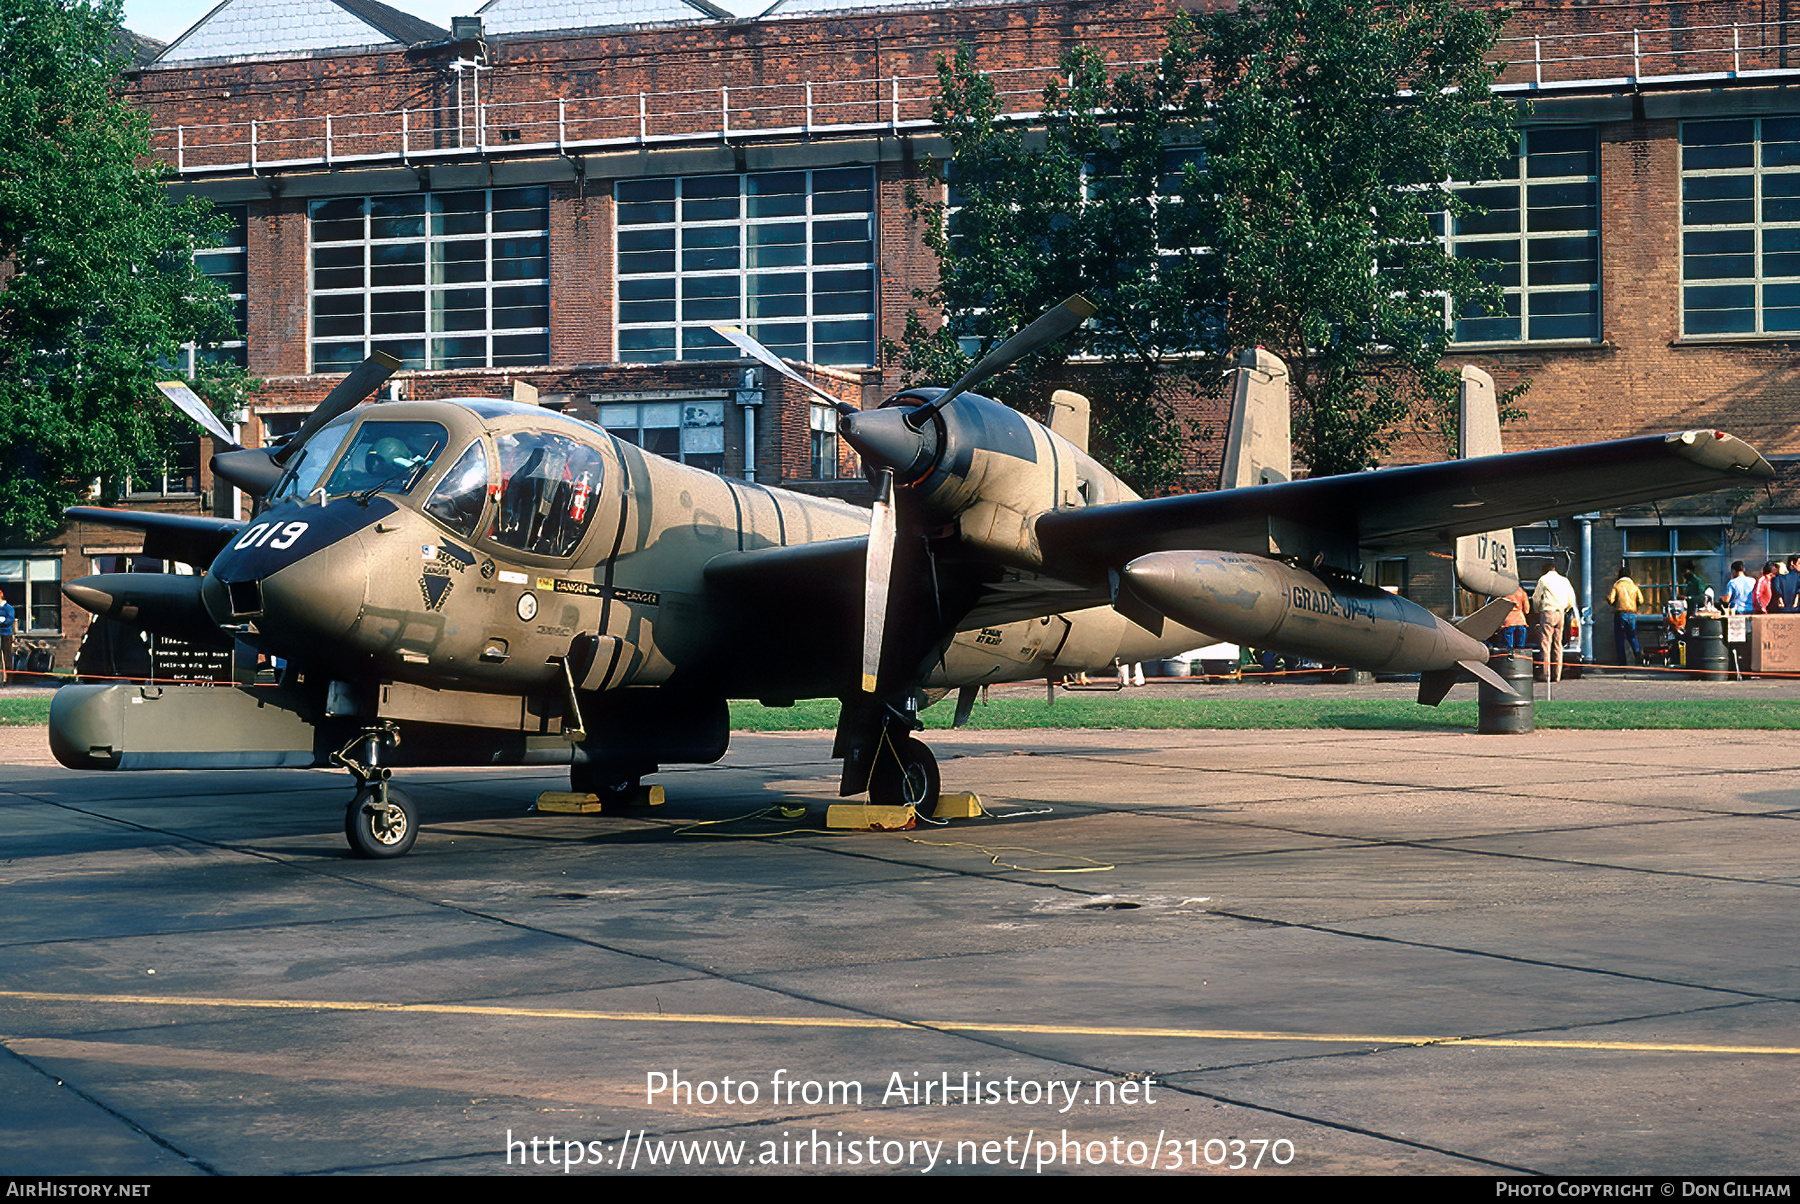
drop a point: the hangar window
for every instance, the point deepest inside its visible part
(225, 263)
(1740, 227)
(1660, 556)
(33, 584)
(788, 254)
(178, 476)
(824, 423)
(692, 432)
(440, 280)
(1538, 238)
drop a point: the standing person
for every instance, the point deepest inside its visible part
(1764, 594)
(1625, 599)
(8, 624)
(1694, 587)
(1740, 591)
(1787, 587)
(1553, 599)
(1515, 630)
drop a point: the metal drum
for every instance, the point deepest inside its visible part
(1501, 714)
(1706, 650)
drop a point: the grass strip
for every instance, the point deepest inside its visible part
(1222, 712)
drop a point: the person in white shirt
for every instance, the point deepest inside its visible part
(1553, 599)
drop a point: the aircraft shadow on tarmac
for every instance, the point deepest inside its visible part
(260, 809)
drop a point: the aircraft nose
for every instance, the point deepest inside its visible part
(321, 594)
(317, 595)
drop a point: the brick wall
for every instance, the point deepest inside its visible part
(1641, 378)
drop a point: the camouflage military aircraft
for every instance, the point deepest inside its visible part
(486, 582)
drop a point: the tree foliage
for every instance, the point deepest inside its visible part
(1277, 178)
(1334, 127)
(99, 291)
(1075, 204)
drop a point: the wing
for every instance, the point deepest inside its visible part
(190, 538)
(1397, 508)
(773, 588)
(804, 589)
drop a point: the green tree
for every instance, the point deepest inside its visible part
(1080, 203)
(100, 287)
(1334, 127)
(1273, 179)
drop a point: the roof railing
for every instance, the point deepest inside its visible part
(1533, 62)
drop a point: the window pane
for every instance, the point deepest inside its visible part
(738, 247)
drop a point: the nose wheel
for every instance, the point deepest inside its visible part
(380, 821)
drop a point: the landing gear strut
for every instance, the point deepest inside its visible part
(380, 821)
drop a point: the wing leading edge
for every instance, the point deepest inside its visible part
(189, 538)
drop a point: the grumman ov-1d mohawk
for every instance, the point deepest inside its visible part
(484, 582)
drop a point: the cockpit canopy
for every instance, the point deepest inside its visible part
(548, 482)
(547, 492)
(390, 454)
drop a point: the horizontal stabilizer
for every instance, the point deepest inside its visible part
(1436, 683)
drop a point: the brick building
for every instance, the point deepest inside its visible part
(569, 193)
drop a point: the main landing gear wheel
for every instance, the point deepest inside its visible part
(609, 788)
(380, 822)
(905, 774)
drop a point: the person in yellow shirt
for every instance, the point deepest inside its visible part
(1625, 600)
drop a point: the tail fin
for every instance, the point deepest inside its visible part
(1436, 683)
(1486, 563)
(1069, 417)
(1486, 621)
(1259, 446)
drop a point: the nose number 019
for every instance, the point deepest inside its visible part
(260, 534)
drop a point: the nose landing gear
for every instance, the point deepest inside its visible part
(380, 821)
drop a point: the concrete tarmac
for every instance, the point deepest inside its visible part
(1284, 952)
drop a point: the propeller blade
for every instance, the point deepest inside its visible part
(880, 566)
(189, 403)
(757, 351)
(1047, 329)
(363, 380)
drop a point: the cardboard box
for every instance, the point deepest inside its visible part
(1774, 644)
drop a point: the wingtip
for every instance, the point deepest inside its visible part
(1721, 450)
